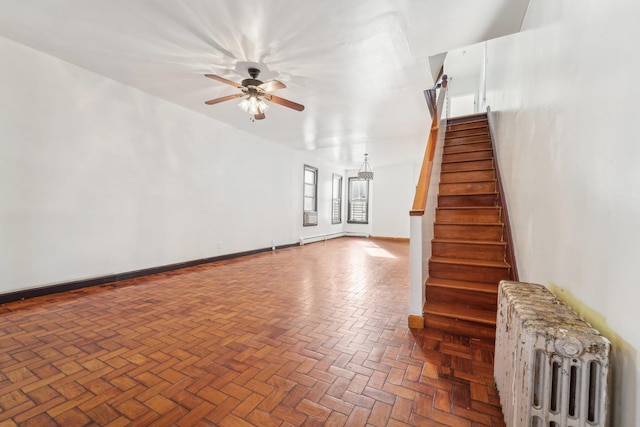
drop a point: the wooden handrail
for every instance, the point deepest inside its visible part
(422, 189)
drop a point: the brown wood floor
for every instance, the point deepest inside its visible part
(311, 335)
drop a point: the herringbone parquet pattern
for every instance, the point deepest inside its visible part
(312, 335)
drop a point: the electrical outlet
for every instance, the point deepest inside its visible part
(219, 245)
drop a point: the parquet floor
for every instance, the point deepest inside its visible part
(305, 336)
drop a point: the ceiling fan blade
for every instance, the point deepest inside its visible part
(284, 102)
(259, 116)
(224, 98)
(223, 80)
(272, 85)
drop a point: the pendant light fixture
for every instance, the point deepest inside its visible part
(365, 171)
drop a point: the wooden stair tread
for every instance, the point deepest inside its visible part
(469, 242)
(467, 118)
(469, 223)
(478, 133)
(471, 182)
(462, 146)
(454, 311)
(479, 130)
(477, 150)
(475, 170)
(466, 161)
(491, 193)
(477, 124)
(466, 148)
(467, 208)
(451, 188)
(468, 176)
(489, 288)
(471, 262)
(454, 137)
(460, 141)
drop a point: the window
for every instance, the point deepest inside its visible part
(336, 200)
(310, 208)
(358, 201)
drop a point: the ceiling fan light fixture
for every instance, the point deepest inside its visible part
(365, 171)
(253, 105)
(263, 106)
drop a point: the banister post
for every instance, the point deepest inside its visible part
(416, 286)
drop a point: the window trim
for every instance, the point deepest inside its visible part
(336, 198)
(349, 217)
(305, 213)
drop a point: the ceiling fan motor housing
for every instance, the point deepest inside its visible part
(254, 72)
(253, 81)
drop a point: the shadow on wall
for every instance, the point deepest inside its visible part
(622, 387)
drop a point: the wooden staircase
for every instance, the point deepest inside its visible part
(470, 253)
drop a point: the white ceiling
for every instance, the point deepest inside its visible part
(359, 66)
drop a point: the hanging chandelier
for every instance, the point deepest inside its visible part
(365, 171)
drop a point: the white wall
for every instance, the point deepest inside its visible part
(98, 178)
(394, 191)
(464, 90)
(565, 95)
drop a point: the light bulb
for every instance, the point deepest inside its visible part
(253, 105)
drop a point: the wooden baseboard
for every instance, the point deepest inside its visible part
(416, 322)
(393, 239)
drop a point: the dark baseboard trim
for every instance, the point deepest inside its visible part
(390, 239)
(96, 281)
(508, 232)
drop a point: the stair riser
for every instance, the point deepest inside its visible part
(483, 131)
(468, 176)
(465, 166)
(481, 200)
(459, 327)
(482, 301)
(470, 155)
(465, 140)
(467, 188)
(468, 232)
(483, 215)
(450, 149)
(454, 127)
(468, 251)
(467, 272)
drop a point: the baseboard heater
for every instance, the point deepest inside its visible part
(551, 367)
(321, 237)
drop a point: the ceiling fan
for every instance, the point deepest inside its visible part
(255, 93)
